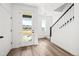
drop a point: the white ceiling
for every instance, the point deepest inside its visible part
(63, 7)
(45, 8)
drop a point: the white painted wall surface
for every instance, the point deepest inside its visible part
(41, 32)
(68, 36)
(76, 28)
(49, 21)
(50, 18)
(5, 43)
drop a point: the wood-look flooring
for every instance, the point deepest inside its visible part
(44, 48)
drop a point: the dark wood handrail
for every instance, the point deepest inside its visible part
(63, 14)
(60, 18)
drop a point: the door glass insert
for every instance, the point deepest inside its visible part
(27, 28)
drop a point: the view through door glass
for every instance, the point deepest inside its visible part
(27, 28)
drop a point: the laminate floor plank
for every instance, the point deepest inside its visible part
(44, 48)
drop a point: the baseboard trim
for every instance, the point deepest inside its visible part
(63, 49)
(18, 47)
(44, 38)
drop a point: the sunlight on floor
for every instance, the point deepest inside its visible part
(27, 36)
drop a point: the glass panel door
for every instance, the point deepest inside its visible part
(27, 28)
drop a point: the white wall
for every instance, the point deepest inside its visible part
(50, 17)
(57, 14)
(5, 43)
(49, 21)
(67, 37)
(41, 32)
(76, 28)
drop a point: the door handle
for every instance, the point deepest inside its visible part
(32, 31)
(1, 37)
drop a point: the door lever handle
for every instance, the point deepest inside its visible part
(1, 36)
(32, 31)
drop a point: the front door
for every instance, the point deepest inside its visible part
(23, 26)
